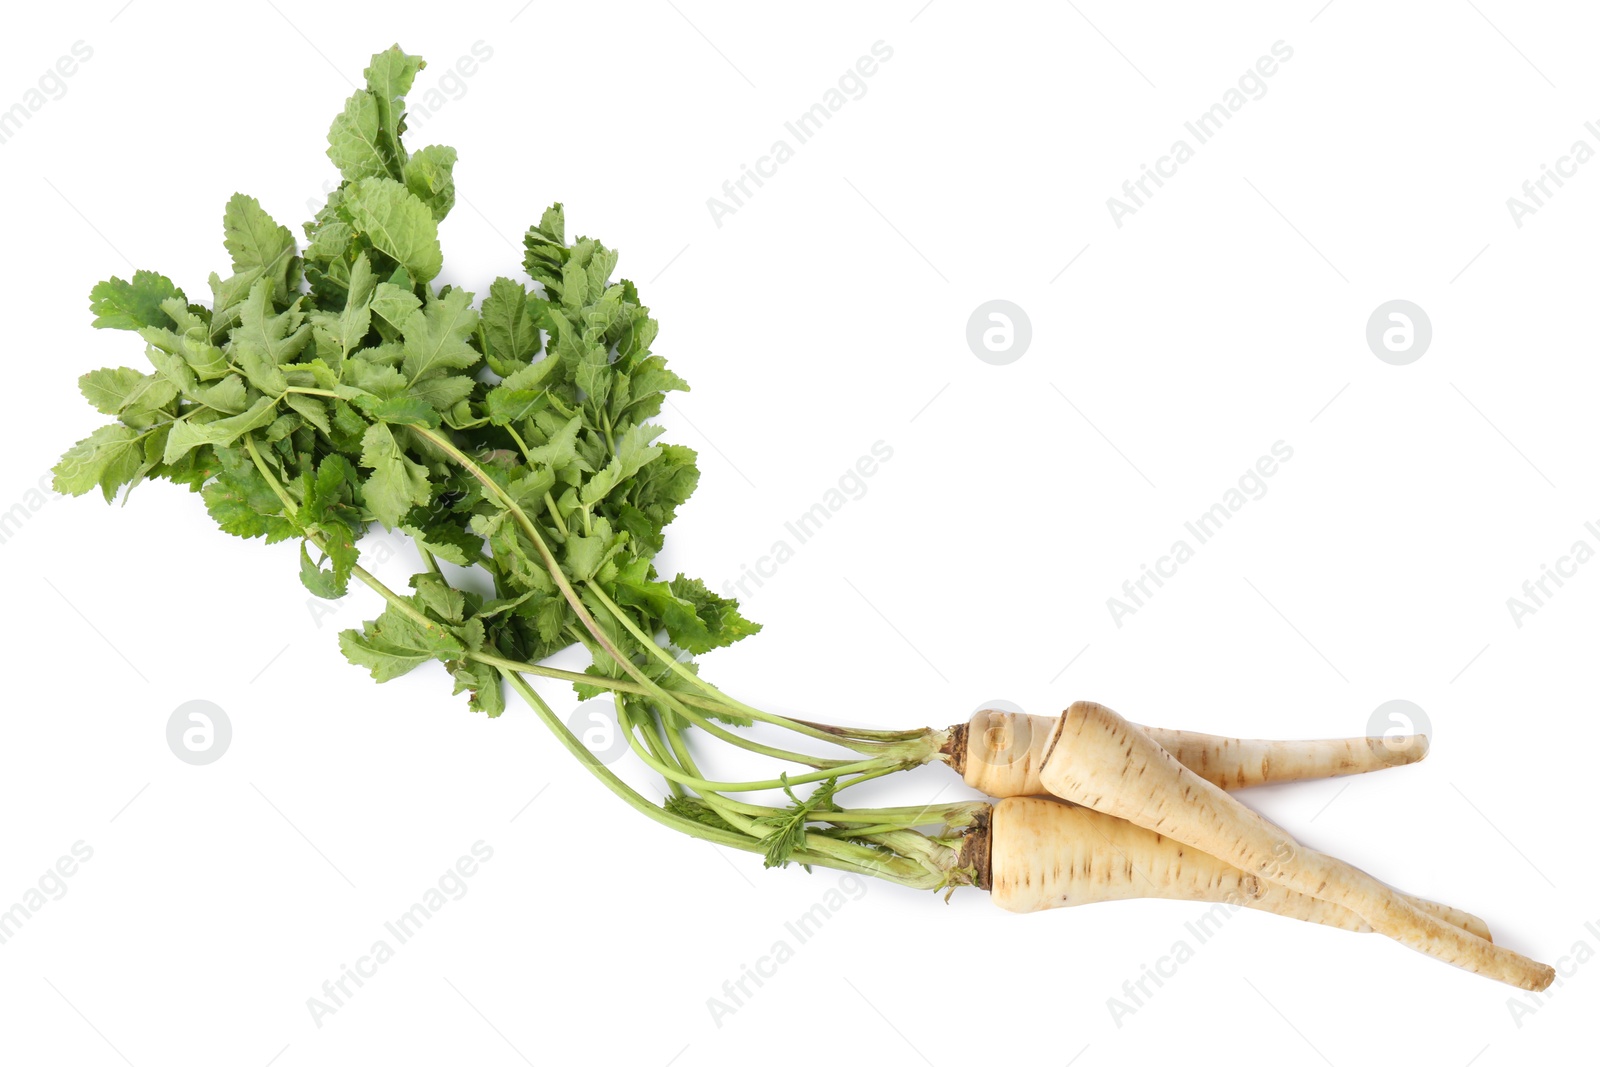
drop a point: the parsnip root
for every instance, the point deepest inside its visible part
(1238, 763)
(1001, 753)
(1049, 854)
(1100, 760)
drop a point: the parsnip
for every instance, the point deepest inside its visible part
(1238, 763)
(1001, 752)
(1050, 854)
(1098, 759)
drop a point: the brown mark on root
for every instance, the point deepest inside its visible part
(975, 852)
(954, 750)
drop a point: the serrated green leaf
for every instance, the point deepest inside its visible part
(395, 643)
(448, 542)
(633, 451)
(397, 224)
(260, 248)
(394, 305)
(373, 378)
(191, 432)
(389, 77)
(437, 596)
(313, 409)
(109, 458)
(511, 336)
(545, 374)
(120, 305)
(404, 411)
(719, 616)
(355, 143)
(397, 483)
(277, 337)
(332, 581)
(429, 174)
(227, 395)
(561, 450)
(346, 330)
(483, 683)
(437, 337)
(189, 339)
(789, 828)
(444, 393)
(112, 389)
(510, 406)
(244, 505)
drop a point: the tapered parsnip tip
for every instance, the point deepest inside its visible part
(1399, 751)
(1100, 760)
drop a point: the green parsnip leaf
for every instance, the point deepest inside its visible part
(252, 238)
(354, 142)
(109, 458)
(398, 225)
(113, 389)
(191, 432)
(389, 79)
(327, 390)
(396, 644)
(430, 175)
(510, 334)
(436, 338)
(120, 305)
(397, 483)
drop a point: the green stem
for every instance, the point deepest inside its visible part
(700, 784)
(671, 662)
(730, 810)
(905, 872)
(915, 861)
(559, 576)
(290, 507)
(622, 685)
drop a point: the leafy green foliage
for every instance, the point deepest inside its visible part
(397, 482)
(333, 385)
(789, 826)
(695, 809)
(120, 305)
(396, 643)
(397, 224)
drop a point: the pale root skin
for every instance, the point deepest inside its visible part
(1050, 854)
(1238, 763)
(1005, 752)
(1100, 760)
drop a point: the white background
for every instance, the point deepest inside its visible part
(826, 314)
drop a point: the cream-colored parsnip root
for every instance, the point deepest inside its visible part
(1001, 752)
(1046, 853)
(1098, 759)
